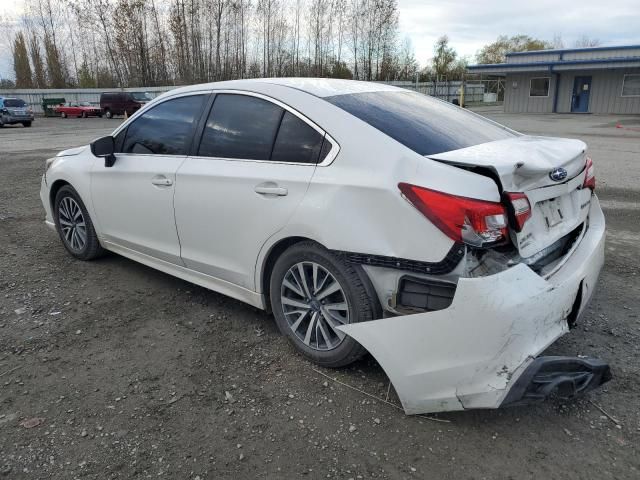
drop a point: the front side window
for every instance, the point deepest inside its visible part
(422, 123)
(539, 87)
(165, 129)
(631, 86)
(141, 97)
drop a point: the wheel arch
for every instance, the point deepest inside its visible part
(269, 261)
(54, 189)
(280, 247)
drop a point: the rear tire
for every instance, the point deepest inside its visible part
(63, 115)
(108, 114)
(301, 309)
(74, 226)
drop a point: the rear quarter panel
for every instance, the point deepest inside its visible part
(354, 203)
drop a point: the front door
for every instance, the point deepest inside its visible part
(250, 172)
(581, 92)
(133, 199)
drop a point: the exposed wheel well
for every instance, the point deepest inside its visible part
(283, 245)
(53, 191)
(270, 261)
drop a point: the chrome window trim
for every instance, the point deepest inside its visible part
(335, 146)
(333, 153)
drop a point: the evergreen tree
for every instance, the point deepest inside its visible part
(39, 75)
(54, 65)
(21, 63)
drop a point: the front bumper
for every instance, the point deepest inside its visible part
(471, 354)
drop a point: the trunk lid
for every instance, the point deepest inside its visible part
(524, 164)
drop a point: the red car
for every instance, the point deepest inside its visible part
(81, 109)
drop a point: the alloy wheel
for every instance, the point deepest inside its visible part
(314, 304)
(72, 224)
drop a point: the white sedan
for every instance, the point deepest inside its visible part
(366, 218)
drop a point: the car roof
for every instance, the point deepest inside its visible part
(319, 87)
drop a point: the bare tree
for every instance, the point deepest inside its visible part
(156, 42)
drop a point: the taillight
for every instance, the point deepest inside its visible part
(520, 208)
(474, 222)
(590, 176)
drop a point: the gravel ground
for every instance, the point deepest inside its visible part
(121, 371)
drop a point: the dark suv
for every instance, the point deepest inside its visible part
(117, 103)
(15, 110)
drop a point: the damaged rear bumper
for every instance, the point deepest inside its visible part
(483, 347)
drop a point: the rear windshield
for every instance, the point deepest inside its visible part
(14, 102)
(422, 123)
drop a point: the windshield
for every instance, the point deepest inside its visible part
(85, 104)
(422, 123)
(14, 102)
(141, 96)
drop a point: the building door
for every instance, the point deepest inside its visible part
(581, 92)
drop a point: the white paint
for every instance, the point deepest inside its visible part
(210, 227)
(469, 355)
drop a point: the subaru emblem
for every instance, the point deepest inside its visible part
(558, 174)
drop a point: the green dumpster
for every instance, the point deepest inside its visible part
(48, 105)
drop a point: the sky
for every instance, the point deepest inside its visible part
(472, 24)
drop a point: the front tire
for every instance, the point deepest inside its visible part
(26, 124)
(74, 225)
(63, 115)
(313, 291)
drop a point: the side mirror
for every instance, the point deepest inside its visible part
(105, 147)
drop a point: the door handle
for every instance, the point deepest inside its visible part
(271, 189)
(162, 181)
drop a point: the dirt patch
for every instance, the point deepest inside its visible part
(136, 374)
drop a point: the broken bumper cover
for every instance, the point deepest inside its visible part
(565, 377)
(472, 354)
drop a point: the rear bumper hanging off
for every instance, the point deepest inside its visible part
(481, 351)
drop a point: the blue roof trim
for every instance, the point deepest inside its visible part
(573, 50)
(550, 65)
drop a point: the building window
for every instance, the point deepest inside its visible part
(631, 86)
(539, 87)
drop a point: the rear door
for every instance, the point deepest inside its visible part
(133, 199)
(250, 171)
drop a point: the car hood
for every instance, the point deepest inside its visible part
(72, 151)
(522, 162)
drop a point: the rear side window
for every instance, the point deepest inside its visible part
(296, 141)
(251, 128)
(165, 129)
(422, 123)
(240, 126)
